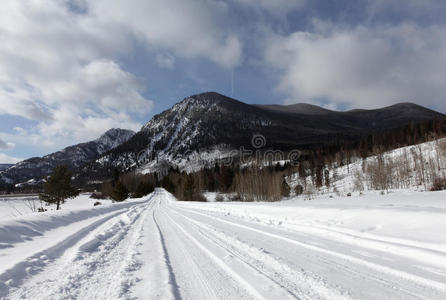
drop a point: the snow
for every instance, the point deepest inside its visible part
(192, 162)
(112, 138)
(210, 196)
(342, 178)
(170, 135)
(11, 207)
(372, 246)
(21, 206)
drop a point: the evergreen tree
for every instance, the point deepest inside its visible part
(144, 188)
(327, 178)
(116, 175)
(298, 190)
(189, 188)
(168, 184)
(120, 192)
(285, 189)
(318, 176)
(58, 187)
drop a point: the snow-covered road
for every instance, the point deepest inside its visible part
(159, 248)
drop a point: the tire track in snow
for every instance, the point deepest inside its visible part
(72, 276)
(431, 254)
(181, 253)
(220, 263)
(423, 282)
(154, 278)
(172, 279)
(191, 280)
(31, 266)
(285, 277)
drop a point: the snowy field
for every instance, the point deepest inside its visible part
(362, 247)
(21, 206)
(12, 207)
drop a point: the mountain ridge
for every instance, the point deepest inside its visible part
(303, 108)
(213, 124)
(204, 128)
(74, 156)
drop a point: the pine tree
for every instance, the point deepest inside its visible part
(298, 190)
(189, 188)
(144, 188)
(58, 187)
(285, 189)
(120, 192)
(116, 175)
(168, 184)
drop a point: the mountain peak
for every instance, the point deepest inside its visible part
(196, 107)
(210, 94)
(298, 108)
(113, 138)
(115, 132)
(210, 98)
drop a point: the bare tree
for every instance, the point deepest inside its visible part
(259, 184)
(358, 181)
(309, 192)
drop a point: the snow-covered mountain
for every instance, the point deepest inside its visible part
(74, 156)
(204, 128)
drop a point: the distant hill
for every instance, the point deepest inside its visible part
(75, 156)
(5, 166)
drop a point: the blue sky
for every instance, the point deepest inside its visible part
(72, 69)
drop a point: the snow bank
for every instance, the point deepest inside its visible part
(23, 228)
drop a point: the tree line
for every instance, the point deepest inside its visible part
(263, 181)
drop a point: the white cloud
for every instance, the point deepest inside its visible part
(6, 146)
(59, 68)
(187, 28)
(104, 85)
(19, 101)
(363, 67)
(6, 159)
(60, 60)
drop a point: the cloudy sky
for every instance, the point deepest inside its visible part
(71, 69)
